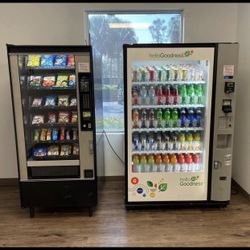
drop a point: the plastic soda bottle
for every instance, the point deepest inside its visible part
(151, 118)
(199, 93)
(159, 118)
(135, 142)
(151, 94)
(197, 141)
(189, 161)
(135, 118)
(181, 161)
(143, 95)
(159, 95)
(151, 142)
(158, 161)
(158, 141)
(190, 117)
(176, 95)
(165, 161)
(183, 117)
(167, 117)
(143, 142)
(198, 117)
(183, 93)
(151, 162)
(175, 117)
(189, 140)
(196, 162)
(190, 93)
(181, 139)
(168, 95)
(143, 118)
(136, 164)
(143, 161)
(135, 96)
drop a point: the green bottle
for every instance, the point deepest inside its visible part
(167, 117)
(183, 93)
(159, 118)
(175, 117)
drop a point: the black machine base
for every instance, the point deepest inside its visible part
(47, 194)
(171, 205)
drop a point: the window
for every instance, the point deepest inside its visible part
(108, 32)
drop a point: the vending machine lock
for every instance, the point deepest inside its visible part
(229, 87)
(227, 106)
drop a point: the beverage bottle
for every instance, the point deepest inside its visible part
(151, 118)
(168, 95)
(135, 96)
(175, 117)
(144, 118)
(165, 161)
(189, 161)
(135, 118)
(197, 141)
(158, 161)
(143, 162)
(158, 140)
(167, 140)
(151, 142)
(170, 143)
(199, 93)
(134, 78)
(180, 74)
(184, 73)
(151, 162)
(181, 139)
(143, 142)
(183, 93)
(159, 118)
(189, 140)
(143, 95)
(135, 142)
(190, 117)
(136, 164)
(190, 93)
(196, 162)
(181, 161)
(183, 117)
(167, 117)
(174, 140)
(173, 161)
(198, 117)
(176, 95)
(167, 70)
(159, 95)
(151, 94)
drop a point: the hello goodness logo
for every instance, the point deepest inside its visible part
(193, 181)
(186, 53)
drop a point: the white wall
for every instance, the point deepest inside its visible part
(241, 162)
(36, 24)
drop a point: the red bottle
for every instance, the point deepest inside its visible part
(159, 95)
(168, 95)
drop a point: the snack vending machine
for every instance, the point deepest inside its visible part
(54, 114)
(179, 113)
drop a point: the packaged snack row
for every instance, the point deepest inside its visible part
(55, 150)
(60, 81)
(52, 101)
(48, 61)
(52, 117)
(54, 134)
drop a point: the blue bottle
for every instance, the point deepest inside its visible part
(190, 117)
(198, 117)
(183, 117)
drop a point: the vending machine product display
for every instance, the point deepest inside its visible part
(179, 123)
(53, 104)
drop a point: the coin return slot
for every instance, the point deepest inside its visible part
(224, 141)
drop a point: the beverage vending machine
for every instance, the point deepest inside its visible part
(179, 123)
(54, 113)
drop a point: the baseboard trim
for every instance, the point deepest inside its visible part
(9, 182)
(240, 189)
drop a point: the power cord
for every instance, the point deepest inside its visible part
(112, 147)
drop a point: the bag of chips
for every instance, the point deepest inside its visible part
(75, 150)
(63, 117)
(63, 100)
(49, 81)
(55, 134)
(37, 102)
(47, 61)
(72, 81)
(40, 151)
(48, 135)
(36, 135)
(53, 150)
(73, 117)
(62, 81)
(62, 134)
(74, 134)
(71, 61)
(60, 61)
(35, 81)
(33, 60)
(51, 118)
(65, 150)
(72, 101)
(50, 101)
(43, 134)
(38, 119)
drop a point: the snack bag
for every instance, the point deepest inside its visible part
(72, 101)
(60, 61)
(55, 134)
(37, 102)
(74, 134)
(71, 61)
(43, 134)
(67, 134)
(63, 117)
(35, 81)
(50, 101)
(62, 81)
(51, 118)
(47, 61)
(73, 117)
(65, 150)
(63, 100)
(40, 151)
(75, 150)
(49, 81)
(36, 135)
(53, 150)
(62, 134)
(38, 119)
(72, 81)
(48, 135)
(33, 60)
